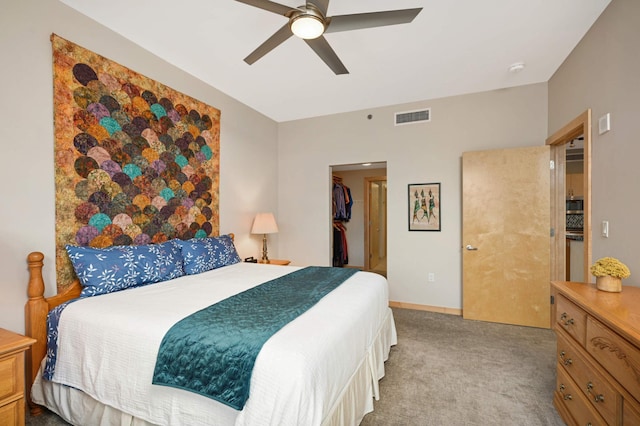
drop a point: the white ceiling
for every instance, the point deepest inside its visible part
(453, 47)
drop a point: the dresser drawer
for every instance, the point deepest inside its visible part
(9, 370)
(615, 354)
(571, 319)
(596, 387)
(630, 414)
(12, 403)
(9, 414)
(574, 400)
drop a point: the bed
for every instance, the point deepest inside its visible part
(322, 368)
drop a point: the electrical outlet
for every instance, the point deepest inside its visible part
(431, 277)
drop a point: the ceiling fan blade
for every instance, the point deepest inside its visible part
(321, 5)
(270, 6)
(373, 19)
(271, 43)
(326, 53)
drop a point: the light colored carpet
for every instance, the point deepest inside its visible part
(447, 371)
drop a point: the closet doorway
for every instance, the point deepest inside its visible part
(360, 241)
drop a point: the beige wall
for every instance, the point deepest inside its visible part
(248, 152)
(418, 153)
(603, 73)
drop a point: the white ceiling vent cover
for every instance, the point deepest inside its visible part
(410, 117)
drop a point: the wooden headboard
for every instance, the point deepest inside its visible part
(35, 316)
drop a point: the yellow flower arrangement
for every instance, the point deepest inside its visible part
(610, 266)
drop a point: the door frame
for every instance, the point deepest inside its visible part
(579, 126)
(367, 200)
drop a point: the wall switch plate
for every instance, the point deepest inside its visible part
(604, 124)
(605, 228)
(431, 277)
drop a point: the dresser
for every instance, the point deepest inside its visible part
(12, 394)
(598, 354)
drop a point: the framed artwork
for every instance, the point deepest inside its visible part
(424, 206)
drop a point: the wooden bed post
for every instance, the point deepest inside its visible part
(35, 309)
(35, 319)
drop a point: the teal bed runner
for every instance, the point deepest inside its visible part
(212, 352)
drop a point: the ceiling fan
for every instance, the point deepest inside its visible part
(310, 22)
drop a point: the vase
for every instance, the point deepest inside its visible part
(609, 283)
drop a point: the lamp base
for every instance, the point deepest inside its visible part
(265, 257)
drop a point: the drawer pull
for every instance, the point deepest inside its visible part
(567, 361)
(567, 322)
(565, 396)
(596, 398)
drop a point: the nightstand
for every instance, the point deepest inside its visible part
(281, 262)
(12, 403)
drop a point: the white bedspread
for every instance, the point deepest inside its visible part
(108, 346)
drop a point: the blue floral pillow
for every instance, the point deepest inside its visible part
(110, 269)
(205, 254)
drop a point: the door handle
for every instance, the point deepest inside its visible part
(470, 247)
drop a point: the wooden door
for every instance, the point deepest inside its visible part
(375, 219)
(374, 224)
(506, 236)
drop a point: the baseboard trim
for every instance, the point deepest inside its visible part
(416, 307)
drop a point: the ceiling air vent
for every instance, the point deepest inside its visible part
(411, 117)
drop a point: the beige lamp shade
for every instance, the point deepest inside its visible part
(264, 223)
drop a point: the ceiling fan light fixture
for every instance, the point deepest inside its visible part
(307, 26)
(310, 21)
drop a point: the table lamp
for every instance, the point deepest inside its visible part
(264, 224)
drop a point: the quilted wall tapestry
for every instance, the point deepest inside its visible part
(136, 162)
